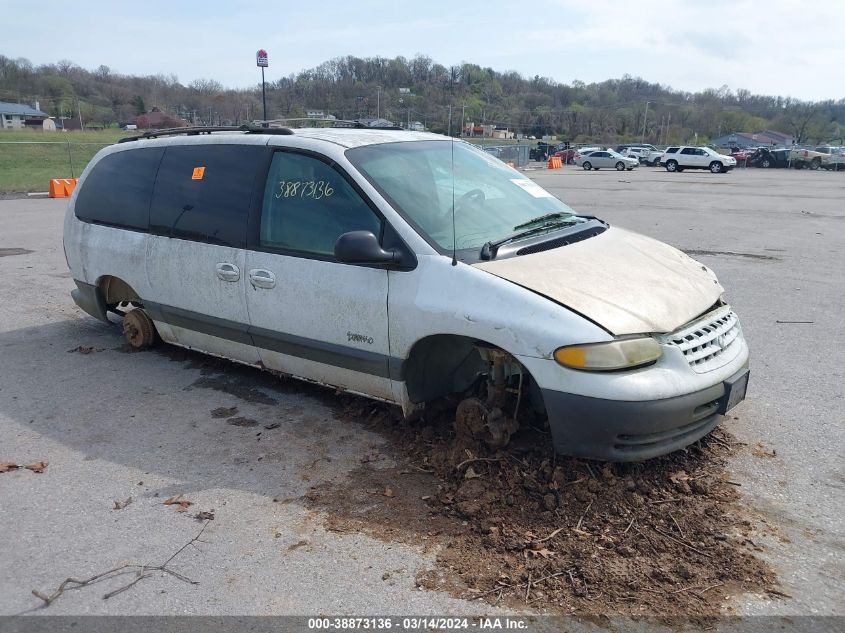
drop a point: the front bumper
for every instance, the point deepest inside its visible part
(617, 430)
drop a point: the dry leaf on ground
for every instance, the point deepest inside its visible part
(7, 466)
(178, 501)
(37, 467)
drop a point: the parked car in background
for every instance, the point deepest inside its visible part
(806, 158)
(621, 148)
(741, 155)
(645, 155)
(766, 158)
(684, 157)
(834, 158)
(635, 152)
(568, 155)
(605, 158)
(543, 151)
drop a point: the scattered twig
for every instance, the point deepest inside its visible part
(718, 584)
(119, 505)
(517, 460)
(677, 526)
(528, 587)
(779, 321)
(657, 591)
(501, 586)
(732, 483)
(682, 542)
(775, 592)
(578, 527)
(720, 442)
(648, 540)
(664, 501)
(629, 525)
(682, 590)
(422, 470)
(141, 572)
(550, 536)
(477, 459)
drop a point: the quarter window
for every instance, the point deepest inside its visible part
(203, 192)
(117, 192)
(308, 205)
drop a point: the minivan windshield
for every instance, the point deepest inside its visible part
(421, 179)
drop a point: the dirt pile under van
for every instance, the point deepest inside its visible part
(525, 528)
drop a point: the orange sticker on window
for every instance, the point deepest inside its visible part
(198, 174)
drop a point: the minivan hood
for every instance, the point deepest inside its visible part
(625, 282)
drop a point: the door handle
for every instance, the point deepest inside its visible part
(227, 271)
(261, 278)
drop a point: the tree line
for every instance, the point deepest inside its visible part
(444, 99)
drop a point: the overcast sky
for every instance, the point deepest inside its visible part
(786, 47)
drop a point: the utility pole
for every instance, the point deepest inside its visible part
(645, 118)
(449, 132)
(378, 102)
(463, 110)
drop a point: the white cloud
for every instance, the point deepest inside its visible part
(774, 47)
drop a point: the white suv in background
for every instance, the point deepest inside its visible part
(683, 157)
(645, 155)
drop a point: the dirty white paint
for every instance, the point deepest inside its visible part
(624, 283)
(323, 301)
(627, 282)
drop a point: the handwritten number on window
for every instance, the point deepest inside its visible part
(313, 189)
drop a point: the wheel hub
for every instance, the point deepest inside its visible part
(474, 419)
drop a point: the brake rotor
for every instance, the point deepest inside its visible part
(138, 329)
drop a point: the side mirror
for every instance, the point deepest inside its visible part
(362, 247)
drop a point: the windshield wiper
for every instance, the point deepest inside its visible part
(488, 251)
(541, 218)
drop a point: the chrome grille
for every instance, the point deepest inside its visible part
(706, 342)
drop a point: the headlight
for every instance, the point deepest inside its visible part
(621, 354)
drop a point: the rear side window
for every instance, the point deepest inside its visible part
(203, 192)
(308, 205)
(671, 150)
(688, 151)
(118, 190)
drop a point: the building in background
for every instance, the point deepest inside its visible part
(156, 119)
(743, 140)
(17, 116)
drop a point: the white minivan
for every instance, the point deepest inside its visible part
(406, 267)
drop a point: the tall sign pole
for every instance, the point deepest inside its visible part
(261, 62)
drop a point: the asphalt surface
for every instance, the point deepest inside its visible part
(114, 425)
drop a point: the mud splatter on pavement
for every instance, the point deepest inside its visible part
(524, 528)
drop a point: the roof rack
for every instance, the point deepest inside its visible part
(333, 123)
(193, 131)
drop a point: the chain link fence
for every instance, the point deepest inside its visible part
(516, 154)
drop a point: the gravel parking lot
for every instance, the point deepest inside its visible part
(115, 426)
